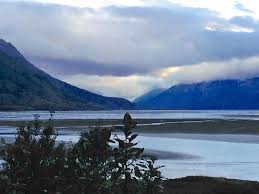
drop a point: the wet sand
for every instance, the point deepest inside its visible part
(232, 138)
(210, 185)
(190, 126)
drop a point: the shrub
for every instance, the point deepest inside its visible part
(33, 163)
(134, 174)
(89, 162)
(96, 164)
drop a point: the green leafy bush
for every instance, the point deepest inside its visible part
(89, 163)
(96, 164)
(33, 162)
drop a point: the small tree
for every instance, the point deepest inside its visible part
(152, 178)
(90, 162)
(33, 163)
(132, 174)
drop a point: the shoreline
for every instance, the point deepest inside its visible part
(210, 185)
(229, 138)
(158, 126)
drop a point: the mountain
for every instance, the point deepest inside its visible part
(147, 96)
(221, 94)
(25, 87)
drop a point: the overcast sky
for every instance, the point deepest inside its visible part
(127, 47)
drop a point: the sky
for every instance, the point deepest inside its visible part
(125, 48)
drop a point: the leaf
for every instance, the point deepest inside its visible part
(2, 141)
(111, 141)
(127, 119)
(127, 133)
(134, 136)
(142, 165)
(119, 140)
(137, 172)
(130, 145)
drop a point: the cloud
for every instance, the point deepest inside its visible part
(125, 48)
(225, 9)
(127, 87)
(61, 66)
(96, 4)
(122, 40)
(242, 7)
(207, 71)
(135, 85)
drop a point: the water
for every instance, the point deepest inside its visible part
(219, 159)
(212, 158)
(138, 114)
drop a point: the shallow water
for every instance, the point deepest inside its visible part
(224, 159)
(138, 114)
(212, 158)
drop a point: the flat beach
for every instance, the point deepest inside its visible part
(160, 126)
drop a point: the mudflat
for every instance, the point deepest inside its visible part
(200, 126)
(210, 185)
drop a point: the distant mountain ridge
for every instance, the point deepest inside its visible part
(149, 95)
(25, 87)
(9, 49)
(219, 95)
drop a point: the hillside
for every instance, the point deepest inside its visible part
(149, 95)
(219, 95)
(25, 87)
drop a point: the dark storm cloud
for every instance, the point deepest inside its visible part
(124, 40)
(219, 44)
(223, 45)
(170, 13)
(73, 66)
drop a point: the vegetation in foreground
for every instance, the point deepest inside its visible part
(97, 163)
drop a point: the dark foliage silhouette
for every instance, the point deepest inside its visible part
(96, 164)
(33, 163)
